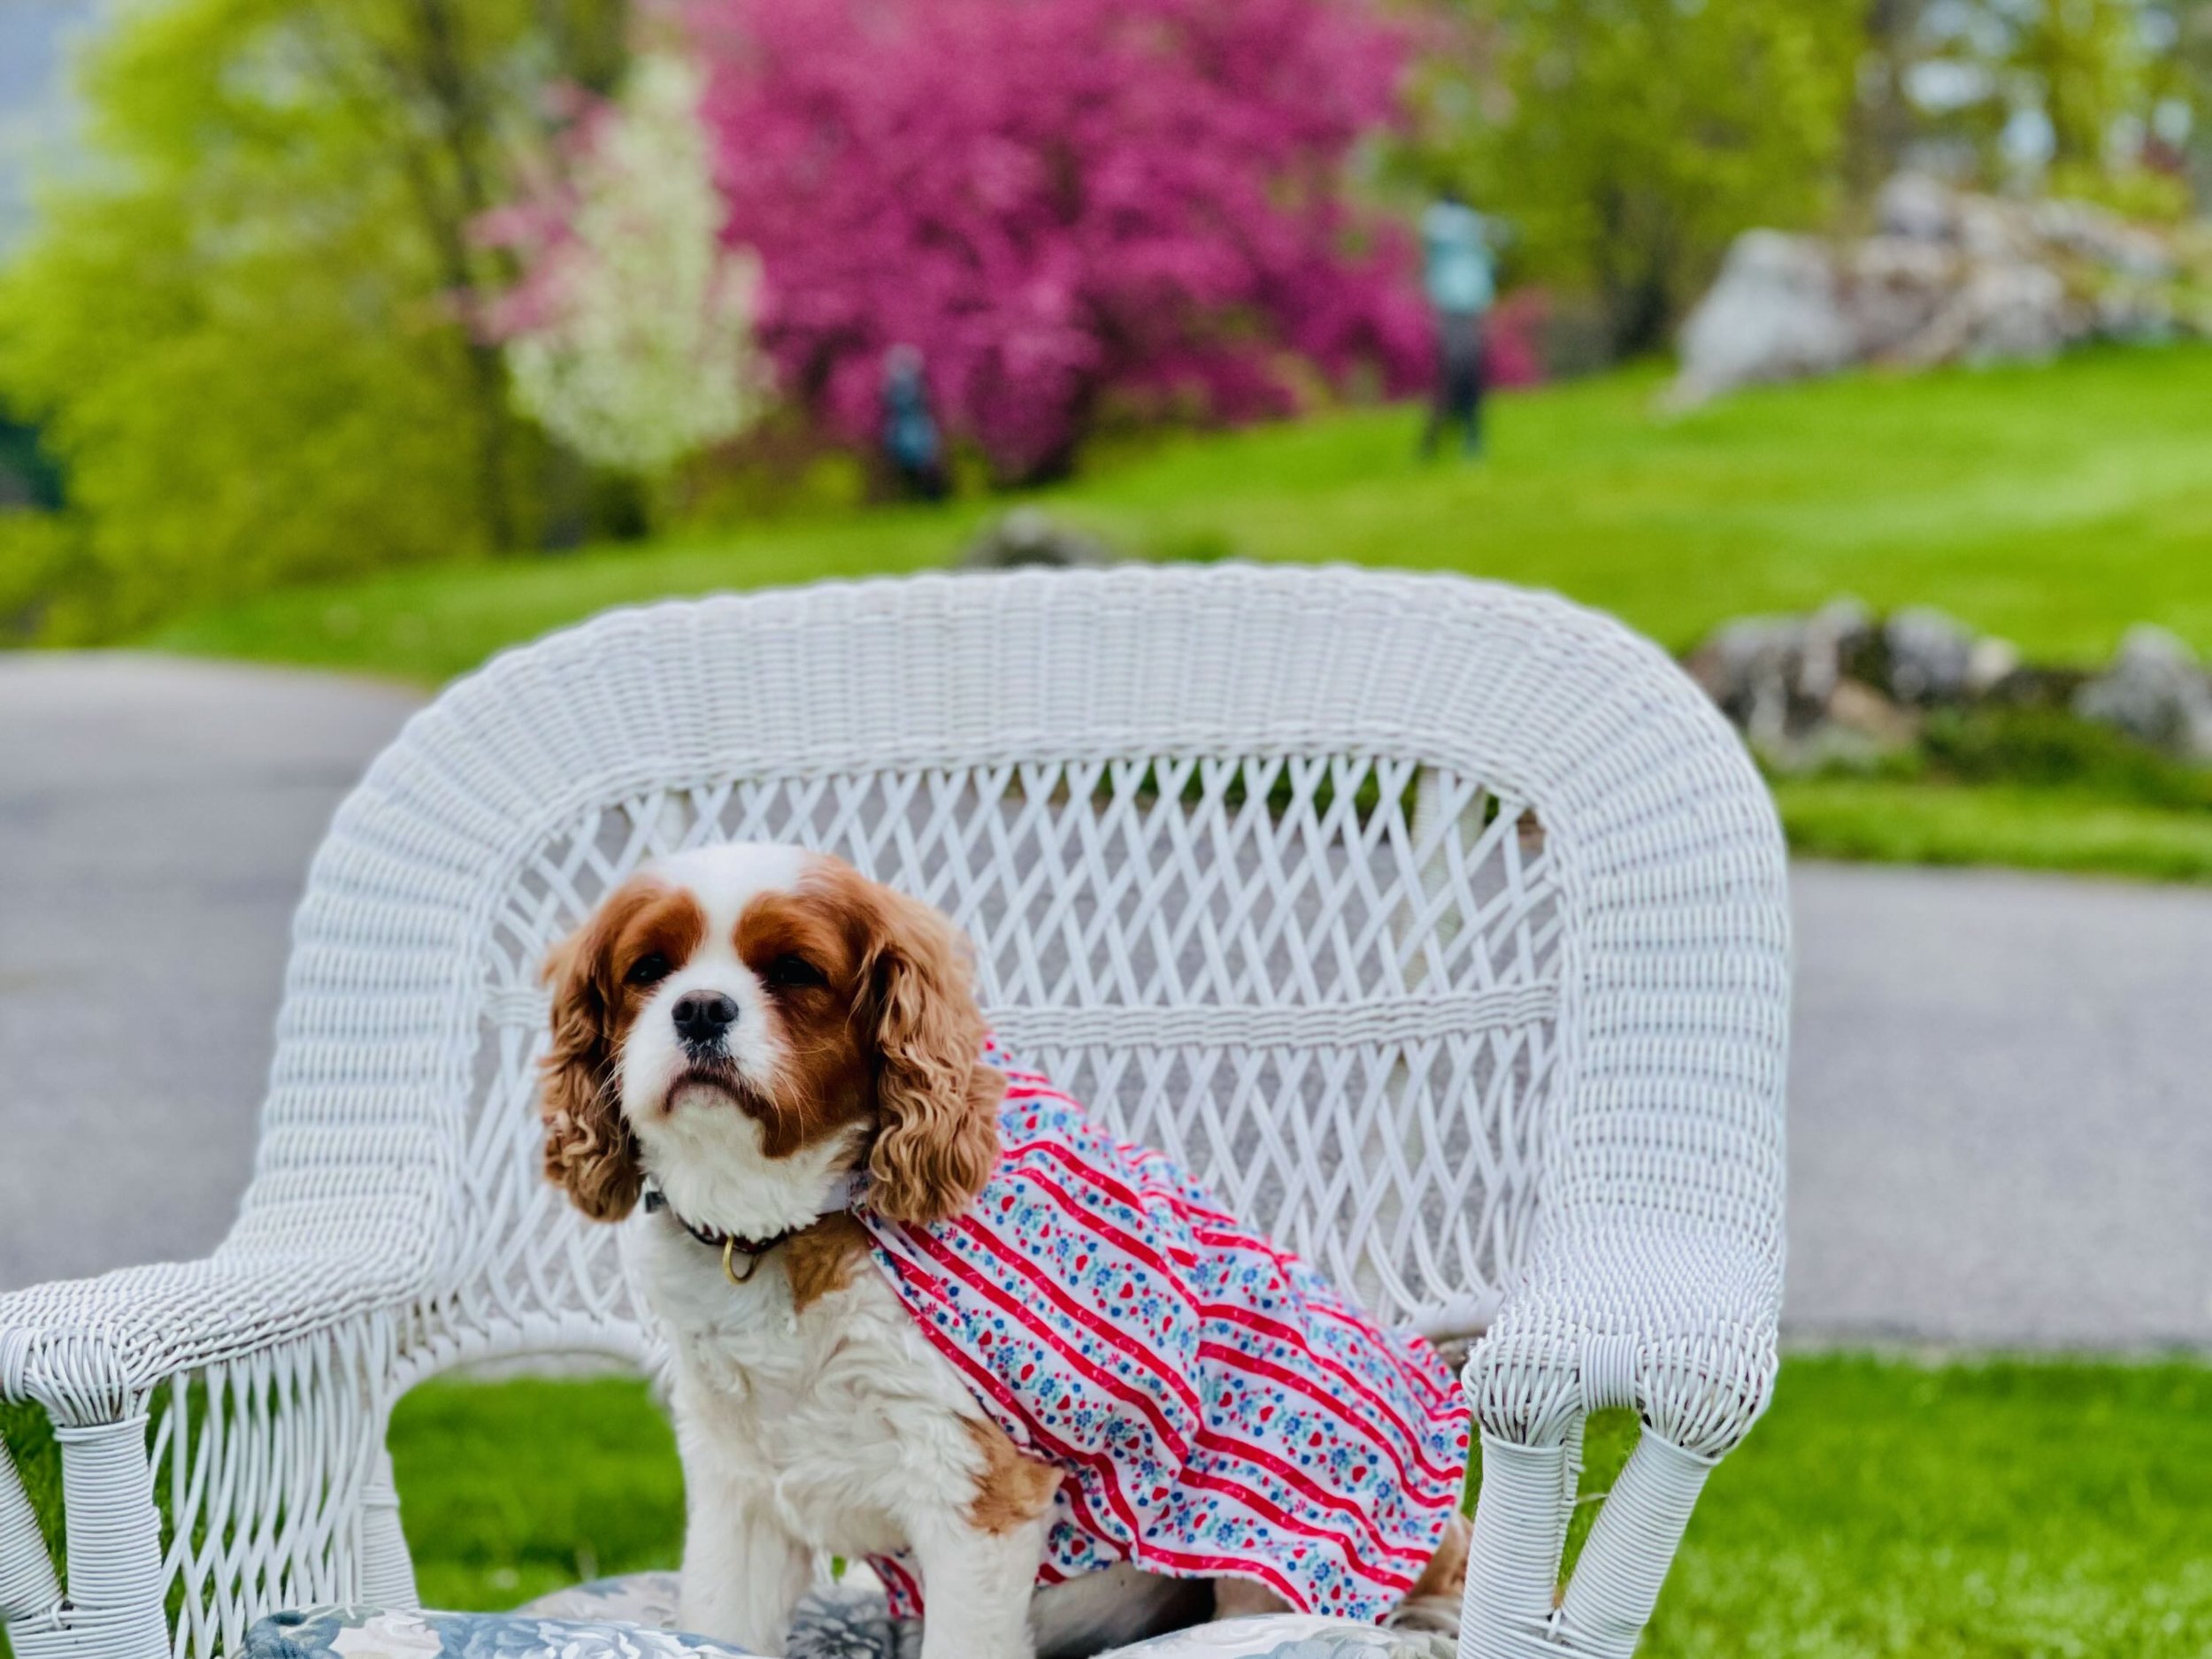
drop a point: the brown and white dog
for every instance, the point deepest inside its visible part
(744, 1031)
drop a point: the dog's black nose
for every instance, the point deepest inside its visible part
(701, 1016)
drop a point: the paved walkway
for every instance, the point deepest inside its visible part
(156, 821)
(2000, 1109)
(1999, 1132)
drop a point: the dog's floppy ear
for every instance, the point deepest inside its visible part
(589, 1150)
(938, 1101)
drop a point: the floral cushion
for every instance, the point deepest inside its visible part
(640, 1598)
(1290, 1636)
(847, 1620)
(629, 1618)
(611, 1618)
(363, 1633)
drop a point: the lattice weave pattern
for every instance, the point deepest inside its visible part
(1439, 925)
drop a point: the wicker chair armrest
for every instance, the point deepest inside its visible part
(1677, 1323)
(92, 1350)
(1672, 1317)
(281, 1363)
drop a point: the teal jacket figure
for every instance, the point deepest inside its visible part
(1459, 271)
(912, 444)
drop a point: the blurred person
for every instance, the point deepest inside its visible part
(911, 442)
(1459, 273)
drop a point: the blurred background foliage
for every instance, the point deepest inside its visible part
(1628, 140)
(253, 336)
(243, 325)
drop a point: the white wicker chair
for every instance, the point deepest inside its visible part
(1441, 924)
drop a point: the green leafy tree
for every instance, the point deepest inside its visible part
(2081, 97)
(2087, 61)
(2078, 65)
(631, 338)
(2189, 82)
(1883, 121)
(1629, 140)
(245, 328)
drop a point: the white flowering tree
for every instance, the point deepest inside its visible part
(631, 339)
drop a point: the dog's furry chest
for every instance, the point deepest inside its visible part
(840, 1416)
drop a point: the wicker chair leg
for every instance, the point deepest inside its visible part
(1513, 1560)
(1623, 1563)
(388, 1572)
(28, 1589)
(113, 1610)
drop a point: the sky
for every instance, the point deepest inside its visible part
(33, 109)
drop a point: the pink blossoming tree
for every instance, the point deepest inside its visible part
(1063, 205)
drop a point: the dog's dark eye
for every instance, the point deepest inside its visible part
(650, 969)
(787, 972)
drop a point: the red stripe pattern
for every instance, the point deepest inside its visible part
(1216, 1408)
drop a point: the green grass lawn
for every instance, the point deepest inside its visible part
(1892, 821)
(2024, 786)
(2006, 1510)
(2056, 505)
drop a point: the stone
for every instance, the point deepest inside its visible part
(1748, 668)
(1917, 207)
(1841, 686)
(1994, 230)
(2139, 313)
(1836, 640)
(1899, 287)
(1930, 656)
(1775, 314)
(2016, 311)
(1028, 536)
(1838, 687)
(1949, 277)
(1857, 708)
(1991, 664)
(2156, 692)
(1774, 677)
(2009, 313)
(2101, 235)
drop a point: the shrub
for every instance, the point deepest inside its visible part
(243, 327)
(632, 341)
(1066, 208)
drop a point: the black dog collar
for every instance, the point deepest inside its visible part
(734, 1245)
